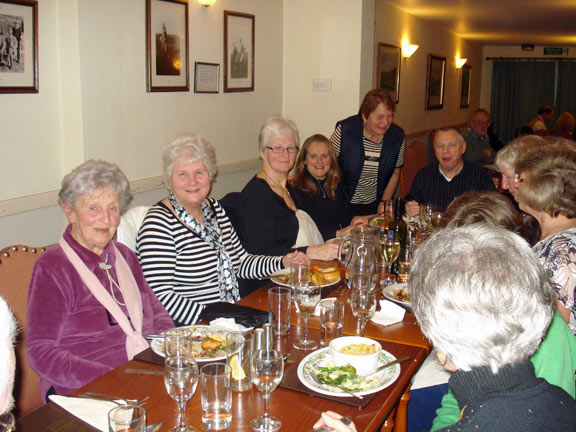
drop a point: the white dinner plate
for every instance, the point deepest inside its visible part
(157, 345)
(322, 356)
(391, 292)
(283, 278)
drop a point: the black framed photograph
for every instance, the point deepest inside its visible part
(389, 69)
(238, 51)
(465, 80)
(206, 77)
(435, 82)
(167, 45)
(18, 46)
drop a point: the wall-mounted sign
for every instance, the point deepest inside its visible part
(555, 51)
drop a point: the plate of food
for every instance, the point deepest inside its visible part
(398, 293)
(322, 277)
(208, 343)
(322, 363)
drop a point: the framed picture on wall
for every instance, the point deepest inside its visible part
(206, 77)
(389, 69)
(435, 82)
(18, 46)
(167, 45)
(465, 80)
(238, 52)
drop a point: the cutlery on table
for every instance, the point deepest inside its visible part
(317, 381)
(155, 336)
(384, 366)
(346, 420)
(112, 398)
(144, 371)
(155, 427)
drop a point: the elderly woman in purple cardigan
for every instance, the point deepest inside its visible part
(89, 304)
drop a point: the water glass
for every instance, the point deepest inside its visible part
(127, 418)
(331, 320)
(279, 304)
(299, 273)
(216, 396)
(7, 422)
(177, 342)
(239, 358)
(363, 305)
(267, 370)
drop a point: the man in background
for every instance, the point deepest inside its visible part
(538, 123)
(448, 178)
(478, 149)
(8, 332)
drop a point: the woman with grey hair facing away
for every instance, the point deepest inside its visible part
(271, 217)
(484, 301)
(8, 332)
(189, 251)
(89, 305)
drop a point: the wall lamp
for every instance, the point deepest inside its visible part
(460, 62)
(206, 3)
(408, 49)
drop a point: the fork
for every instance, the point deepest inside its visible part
(112, 398)
(317, 381)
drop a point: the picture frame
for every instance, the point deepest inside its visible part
(206, 77)
(19, 46)
(239, 51)
(388, 76)
(167, 45)
(435, 82)
(465, 83)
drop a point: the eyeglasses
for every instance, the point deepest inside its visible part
(482, 123)
(281, 150)
(518, 179)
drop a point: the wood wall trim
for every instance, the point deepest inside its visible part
(49, 199)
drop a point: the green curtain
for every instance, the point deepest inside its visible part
(566, 97)
(519, 88)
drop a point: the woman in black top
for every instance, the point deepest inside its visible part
(316, 179)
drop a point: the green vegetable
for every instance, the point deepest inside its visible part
(337, 375)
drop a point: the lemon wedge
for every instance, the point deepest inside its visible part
(237, 371)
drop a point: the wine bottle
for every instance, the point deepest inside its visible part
(398, 225)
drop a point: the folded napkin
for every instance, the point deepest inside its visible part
(389, 313)
(92, 411)
(229, 324)
(430, 374)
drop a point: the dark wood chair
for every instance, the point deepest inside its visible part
(396, 421)
(16, 263)
(414, 160)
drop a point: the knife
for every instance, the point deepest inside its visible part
(143, 371)
(393, 362)
(154, 427)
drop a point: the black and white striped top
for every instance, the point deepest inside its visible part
(365, 192)
(182, 269)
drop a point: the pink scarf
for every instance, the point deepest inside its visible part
(135, 343)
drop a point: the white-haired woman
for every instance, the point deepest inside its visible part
(89, 304)
(483, 300)
(271, 219)
(189, 251)
(8, 332)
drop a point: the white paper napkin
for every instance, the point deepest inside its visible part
(389, 313)
(229, 324)
(92, 411)
(430, 374)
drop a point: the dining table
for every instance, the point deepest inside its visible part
(294, 404)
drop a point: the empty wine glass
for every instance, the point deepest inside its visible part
(181, 379)
(307, 297)
(267, 371)
(363, 305)
(389, 248)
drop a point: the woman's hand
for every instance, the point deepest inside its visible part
(412, 208)
(359, 221)
(295, 258)
(323, 252)
(332, 420)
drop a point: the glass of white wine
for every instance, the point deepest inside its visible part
(405, 263)
(267, 371)
(363, 305)
(390, 249)
(307, 297)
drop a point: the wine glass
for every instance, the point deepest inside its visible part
(390, 248)
(180, 372)
(363, 305)
(307, 297)
(267, 371)
(405, 263)
(362, 280)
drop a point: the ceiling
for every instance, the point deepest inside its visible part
(499, 22)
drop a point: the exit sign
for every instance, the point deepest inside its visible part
(555, 51)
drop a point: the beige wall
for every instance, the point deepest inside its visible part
(392, 26)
